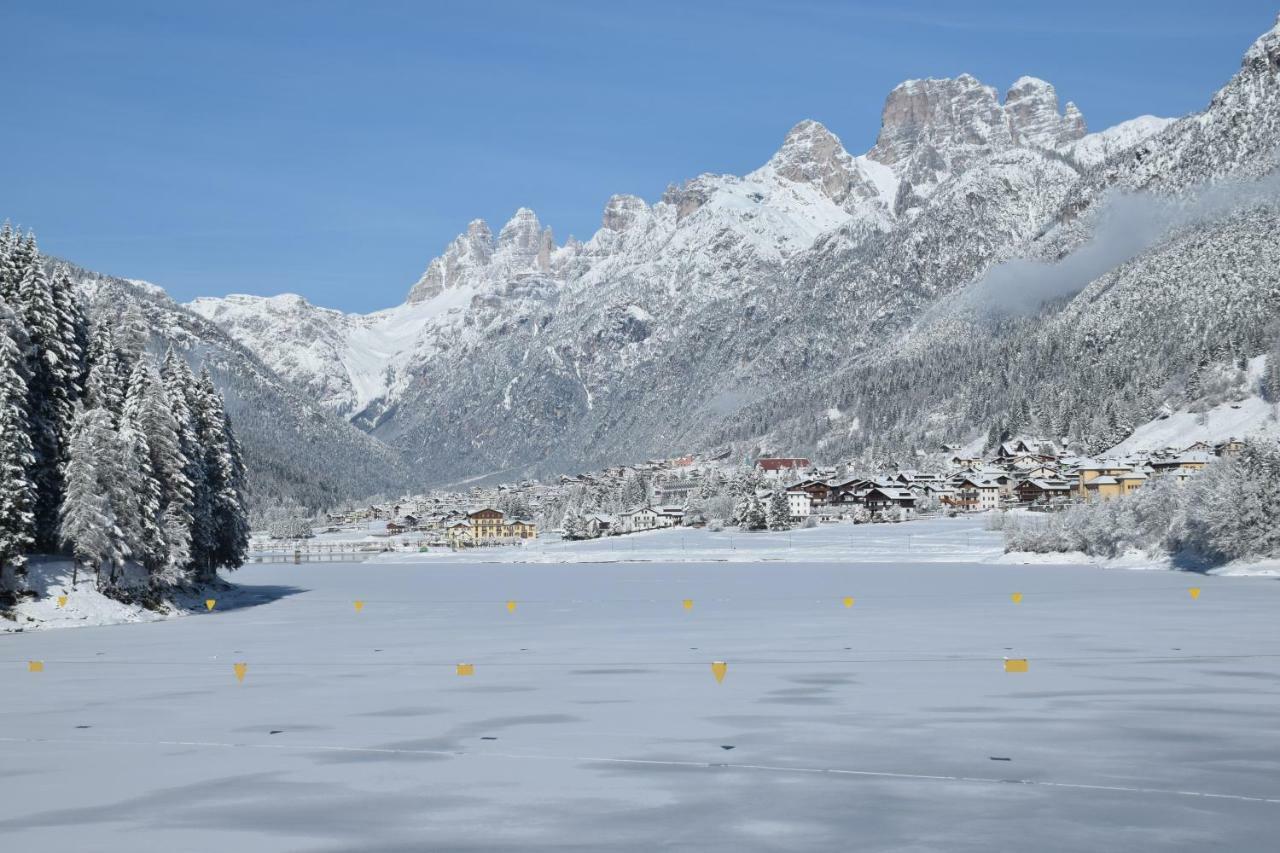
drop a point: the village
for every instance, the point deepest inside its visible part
(771, 492)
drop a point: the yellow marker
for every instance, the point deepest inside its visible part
(466, 669)
(511, 607)
(718, 669)
(1015, 664)
(241, 669)
(35, 666)
(1195, 592)
(687, 604)
(359, 605)
(62, 601)
(848, 601)
(209, 603)
(1016, 598)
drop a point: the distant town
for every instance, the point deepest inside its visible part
(772, 492)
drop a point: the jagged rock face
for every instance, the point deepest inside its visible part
(470, 251)
(811, 154)
(935, 129)
(1032, 107)
(938, 116)
(623, 211)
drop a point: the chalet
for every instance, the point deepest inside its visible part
(1230, 447)
(879, 498)
(976, 494)
(781, 466)
(394, 528)
(1041, 447)
(1198, 447)
(644, 518)
(799, 504)
(819, 492)
(458, 533)
(670, 516)
(598, 524)
(1040, 492)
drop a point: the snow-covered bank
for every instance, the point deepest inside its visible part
(50, 580)
(1140, 560)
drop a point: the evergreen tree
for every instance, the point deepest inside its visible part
(225, 542)
(180, 394)
(139, 494)
(88, 523)
(17, 492)
(52, 389)
(779, 511)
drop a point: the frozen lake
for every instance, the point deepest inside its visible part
(1147, 720)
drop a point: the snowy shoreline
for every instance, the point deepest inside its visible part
(85, 606)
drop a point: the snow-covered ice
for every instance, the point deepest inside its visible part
(1146, 720)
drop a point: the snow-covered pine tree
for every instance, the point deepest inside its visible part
(150, 408)
(226, 542)
(52, 389)
(139, 492)
(88, 524)
(197, 511)
(17, 492)
(779, 511)
(750, 514)
(104, 388)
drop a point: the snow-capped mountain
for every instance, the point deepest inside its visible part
(723, 310)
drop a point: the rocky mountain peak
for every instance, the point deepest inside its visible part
(622, 211)
(1032, 107)
(939, 114)
(811, 154)
(523, 245)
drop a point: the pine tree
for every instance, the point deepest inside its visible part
(52, 389)
(88, 523)
(225, 541)
(779, 511)
(17, 492)
(196, 508)
(139, 494)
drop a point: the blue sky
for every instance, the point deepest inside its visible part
(333, 148)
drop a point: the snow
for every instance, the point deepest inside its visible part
(962, 539)
(1251, 416)
(592, 720)
(86, 607)
(1096, 147)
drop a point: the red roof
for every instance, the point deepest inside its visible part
(780, 463)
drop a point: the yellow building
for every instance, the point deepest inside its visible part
(1109, 470)
(489, 526)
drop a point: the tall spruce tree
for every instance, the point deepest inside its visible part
(224, 472)
(17, 492)
(140, 493)
(88, 521)
(52, 389)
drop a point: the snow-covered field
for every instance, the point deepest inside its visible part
(1146, 719)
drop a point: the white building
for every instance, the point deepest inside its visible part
(799, 504)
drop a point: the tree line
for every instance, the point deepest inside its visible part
(128, 466)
